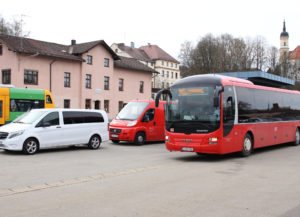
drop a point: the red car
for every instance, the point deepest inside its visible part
(139, 122)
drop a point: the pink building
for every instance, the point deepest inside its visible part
(86, 75)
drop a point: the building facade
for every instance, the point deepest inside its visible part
(154, 57)
(86, 75)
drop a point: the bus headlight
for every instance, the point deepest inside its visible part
(15, 134)
(213, 140)
(131, 123)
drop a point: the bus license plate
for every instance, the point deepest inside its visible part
(189, 149)
(114, 136)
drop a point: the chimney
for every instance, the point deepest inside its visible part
(149, 44)
(132, 44)
(73, 42)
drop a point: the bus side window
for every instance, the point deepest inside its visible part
(48, 99)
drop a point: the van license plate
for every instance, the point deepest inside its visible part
(114, 136)
(187, 149)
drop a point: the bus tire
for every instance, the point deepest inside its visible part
(140, 138)
(297, 139)
(95, 142)
(30, 146)
(247, 146)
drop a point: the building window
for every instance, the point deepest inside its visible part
(162, 63)
(163, 73)
(167, 74)
(168, 85)
(167, 63)
(106, 105)
(284, 43)
(67, 103)
(121, 103)
(106, 83)
(30, 77)
(1, 49)
(163, 84)
(6, 76)
(171, 64)
(88, 81)
(106, 62)
(141, 87)
(88, 103)
(67, 79)
(121, 84)
(176, 75)
(89, 59)
(97, 104)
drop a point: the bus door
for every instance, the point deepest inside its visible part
(2, 110)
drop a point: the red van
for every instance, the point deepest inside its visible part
(139, 121)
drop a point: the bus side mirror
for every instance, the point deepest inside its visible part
(159, 93)
(216, 101)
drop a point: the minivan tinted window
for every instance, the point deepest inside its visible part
(52, 119)
(74, 117)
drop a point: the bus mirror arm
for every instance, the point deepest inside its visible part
(159, 93)
(219, 89)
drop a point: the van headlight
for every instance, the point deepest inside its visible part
(15, 134)
(131, 123)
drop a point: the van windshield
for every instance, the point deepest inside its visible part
(132, 111)
(29, 117)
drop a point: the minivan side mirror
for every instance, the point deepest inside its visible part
(46, 124)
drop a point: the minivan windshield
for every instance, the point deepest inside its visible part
(132, 111)
(29, 117)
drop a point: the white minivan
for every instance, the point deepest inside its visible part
(48, 128)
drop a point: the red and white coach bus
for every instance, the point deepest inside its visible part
(218, 114)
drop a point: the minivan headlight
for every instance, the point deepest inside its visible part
(15, 134)
(131, 123)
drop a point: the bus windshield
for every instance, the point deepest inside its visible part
(192, 110)
(132, 111)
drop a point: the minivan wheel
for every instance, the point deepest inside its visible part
(247, 146)
(139, 138)
(94, 142)
(30, 146)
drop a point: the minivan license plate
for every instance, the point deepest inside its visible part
(114, 136)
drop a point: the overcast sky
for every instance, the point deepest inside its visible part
(167, 23)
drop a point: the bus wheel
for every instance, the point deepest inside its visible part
(94, 142)
(30, 146)
(139, 138)
(247, 146)
(297, 140)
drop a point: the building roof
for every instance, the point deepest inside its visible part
(84, 47)
(261, 78)
(295, 54)
(154, 52)
(36, 47)
(134, 52)
(132, 64)
(284, 33)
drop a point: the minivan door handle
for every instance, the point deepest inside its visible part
(154, 123)
(58, 127)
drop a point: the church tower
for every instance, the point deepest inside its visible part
(284, 51)
(284, 44)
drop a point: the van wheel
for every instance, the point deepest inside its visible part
(30, 146)
(297, 140)
(94, 142)
(139, 138)
(247, 146)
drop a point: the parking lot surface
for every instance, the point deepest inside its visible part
(123, 180)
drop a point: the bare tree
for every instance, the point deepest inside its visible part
(14, 28)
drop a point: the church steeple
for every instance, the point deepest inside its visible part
(284, 33)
